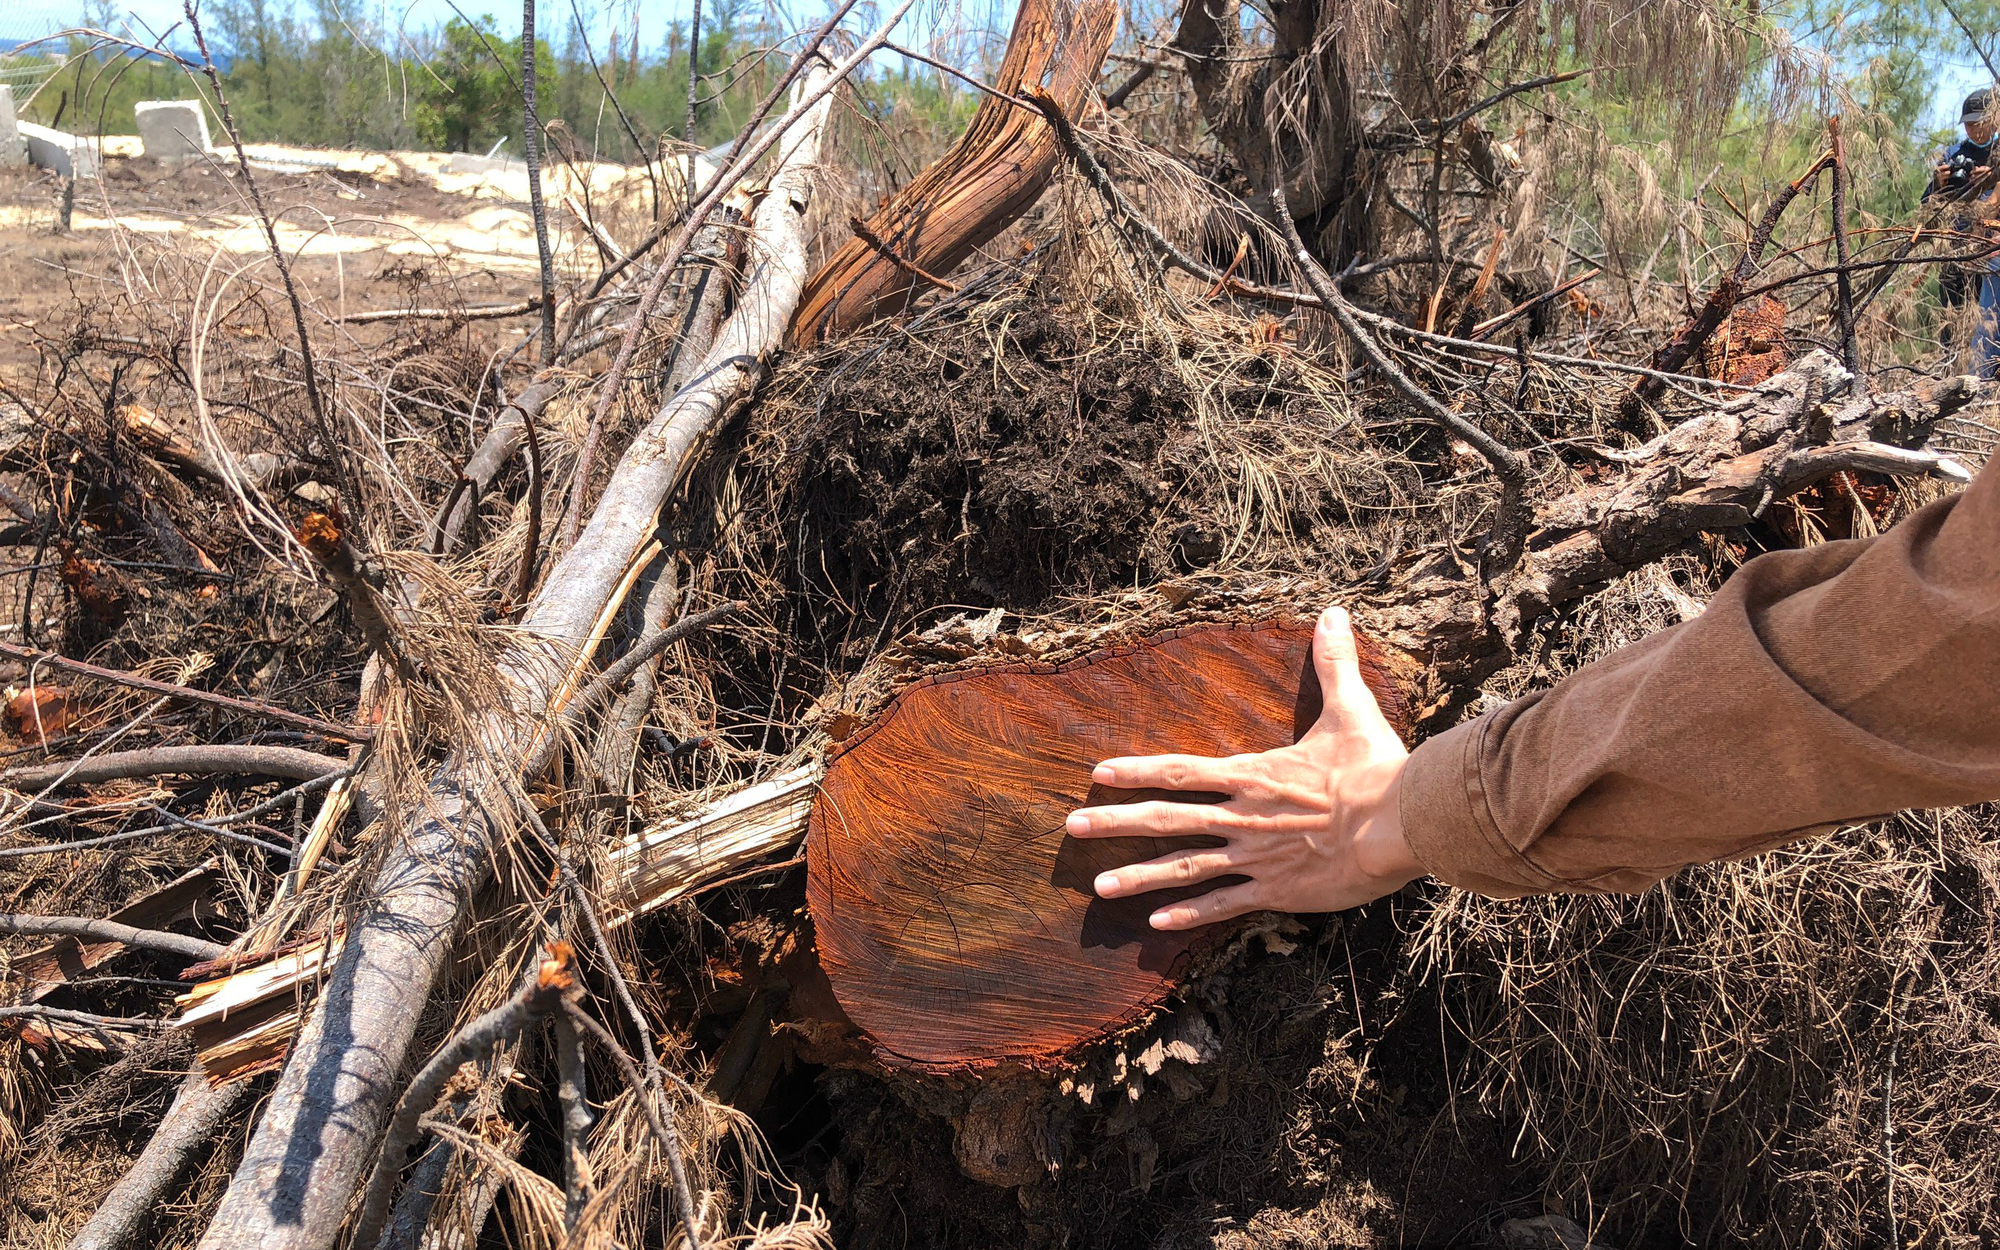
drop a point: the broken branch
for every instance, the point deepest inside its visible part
(246, 707)
(111, 931)
(554, 979)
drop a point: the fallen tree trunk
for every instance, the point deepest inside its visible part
(937, 852)
(316, 1140)
(994, 173)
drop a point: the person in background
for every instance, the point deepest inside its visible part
(1962, 173)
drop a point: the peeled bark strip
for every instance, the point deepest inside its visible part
(955, 918)
(993, 174)
(315, 1142)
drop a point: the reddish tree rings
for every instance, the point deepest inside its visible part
(955, 918)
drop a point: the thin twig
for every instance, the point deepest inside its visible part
(664, 1130)
(1722, 300)
(694, 93)
(188, 822)
(1508, 92)
(1100, 181)
(524, 579)
(1889, 1124)
(1133, 81)
(1491, 324)
(742, 155)
(1972, 39)
(873, 240)
(531, 134)
(1862, 266)
(334, 451)
(619, 672)
(670, 1142)
(1503, 542)
(481, 312)
(199, 760)
(142, 1024)
(1843, 281)
(215, 825)
(246, 707)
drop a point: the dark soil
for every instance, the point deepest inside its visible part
(971, 475)
(1024, 459)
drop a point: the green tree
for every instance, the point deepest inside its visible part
(469, 97)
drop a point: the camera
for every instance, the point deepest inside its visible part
(1958, 175)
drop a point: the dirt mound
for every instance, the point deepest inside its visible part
(1013, 453)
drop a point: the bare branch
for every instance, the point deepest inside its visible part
(111, 931)
(200, 760)
(246, 707)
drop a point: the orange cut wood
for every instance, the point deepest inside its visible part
(955, 918)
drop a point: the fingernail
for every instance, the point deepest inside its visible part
(1106, 884)
(1160, 919)
(1104, 774)
(1077, 822)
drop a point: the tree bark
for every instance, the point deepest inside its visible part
(994, 173)
(1303, 80)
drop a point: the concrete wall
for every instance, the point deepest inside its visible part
(13, 148)
(172, 131)
(70, 155)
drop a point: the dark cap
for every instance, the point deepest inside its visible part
(1978, 106)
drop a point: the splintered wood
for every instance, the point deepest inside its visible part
(956, 919)
(243, 1022)
(994, 173)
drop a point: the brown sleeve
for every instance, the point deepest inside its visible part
(1823, 685)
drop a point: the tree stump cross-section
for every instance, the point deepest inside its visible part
(955, 918)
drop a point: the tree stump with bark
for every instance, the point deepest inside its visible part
(956, 920)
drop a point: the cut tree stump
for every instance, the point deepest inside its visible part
(955, 918)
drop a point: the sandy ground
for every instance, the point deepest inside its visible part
(355, 223)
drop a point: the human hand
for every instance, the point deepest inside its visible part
(1313, 826)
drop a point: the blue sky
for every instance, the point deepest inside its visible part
(27, 19)
(35, 17)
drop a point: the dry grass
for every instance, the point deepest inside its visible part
(1782, 1051)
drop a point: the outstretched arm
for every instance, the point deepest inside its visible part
(1821, 685)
